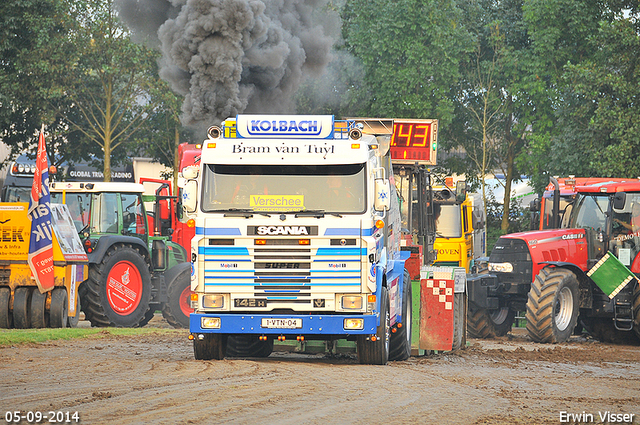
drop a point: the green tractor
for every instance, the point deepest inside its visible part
(133, 264)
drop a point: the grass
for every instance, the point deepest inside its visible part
(10, 337)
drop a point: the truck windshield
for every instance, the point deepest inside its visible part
(284, 188)
(589, 212)
(16, 194)
(79, 205)
(448, 222)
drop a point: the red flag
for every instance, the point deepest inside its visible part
(41, 243)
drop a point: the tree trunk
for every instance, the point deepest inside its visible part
(176, 160)
(509, 175)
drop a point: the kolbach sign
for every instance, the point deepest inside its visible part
(284, 126)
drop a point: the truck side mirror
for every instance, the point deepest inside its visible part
(461, 190)
(383, 195)
(190, 196)
(619, 200)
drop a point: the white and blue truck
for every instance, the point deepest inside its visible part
(298, 236)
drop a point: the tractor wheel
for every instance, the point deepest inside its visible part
(37, 310)
(6, 320)
(59, 311)
(400, 342)
(459, 337)
(210, 347)
(72, 322)
(248, 346)
(484, 323)
(603, 329)
(177, 310)
(118, 290)
(377, 352)
(150, 314)
(21, 303)
(552, 308)
(636, 309)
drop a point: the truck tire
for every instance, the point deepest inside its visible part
(248, 346)
(484, 323)
(6, 320)
(177, 309)
(37, 310)
(400, 341)
(211, 347)
(21, 303)
(118, 290)
(59, 311)
(72, 322)
(552, 307)
(150, 314)
(377, 352)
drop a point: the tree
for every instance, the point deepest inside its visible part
(590, 50)
(35, 54)
(410, 51)
(113, 78)
(162, 131)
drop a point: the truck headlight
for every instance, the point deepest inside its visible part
(210, 323)
(352, 302)
(213, 301)
(353, 324)
(500, 267)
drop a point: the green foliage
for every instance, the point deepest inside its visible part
(591, 51)
(410, 51)
(519, 221)
(72, 66)
(34, 51)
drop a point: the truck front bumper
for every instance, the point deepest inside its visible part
(320, 324)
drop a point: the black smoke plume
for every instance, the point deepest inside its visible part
(233, 56)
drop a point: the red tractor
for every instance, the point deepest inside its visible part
(544, 272)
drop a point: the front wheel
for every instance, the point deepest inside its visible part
(553, 305)
(118, 290)
(209, 346)
(177, 309)
(375, 349)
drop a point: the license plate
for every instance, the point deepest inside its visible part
(282, 323)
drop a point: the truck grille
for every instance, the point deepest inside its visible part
(281, 272)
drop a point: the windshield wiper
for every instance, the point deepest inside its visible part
(312, 213)
(242, 212)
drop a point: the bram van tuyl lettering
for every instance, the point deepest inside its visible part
(317, 149)
(600, 417)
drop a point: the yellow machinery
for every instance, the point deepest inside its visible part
(460, 228)
(22, 304)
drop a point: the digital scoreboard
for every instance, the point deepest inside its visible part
(414, 141)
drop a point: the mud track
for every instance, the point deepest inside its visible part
(153, 379)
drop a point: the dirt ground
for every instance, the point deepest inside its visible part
(153, 379)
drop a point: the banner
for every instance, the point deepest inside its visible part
(41, 243)
(610, 275)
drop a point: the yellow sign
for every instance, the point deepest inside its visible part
(15, 228)
(276, 202)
